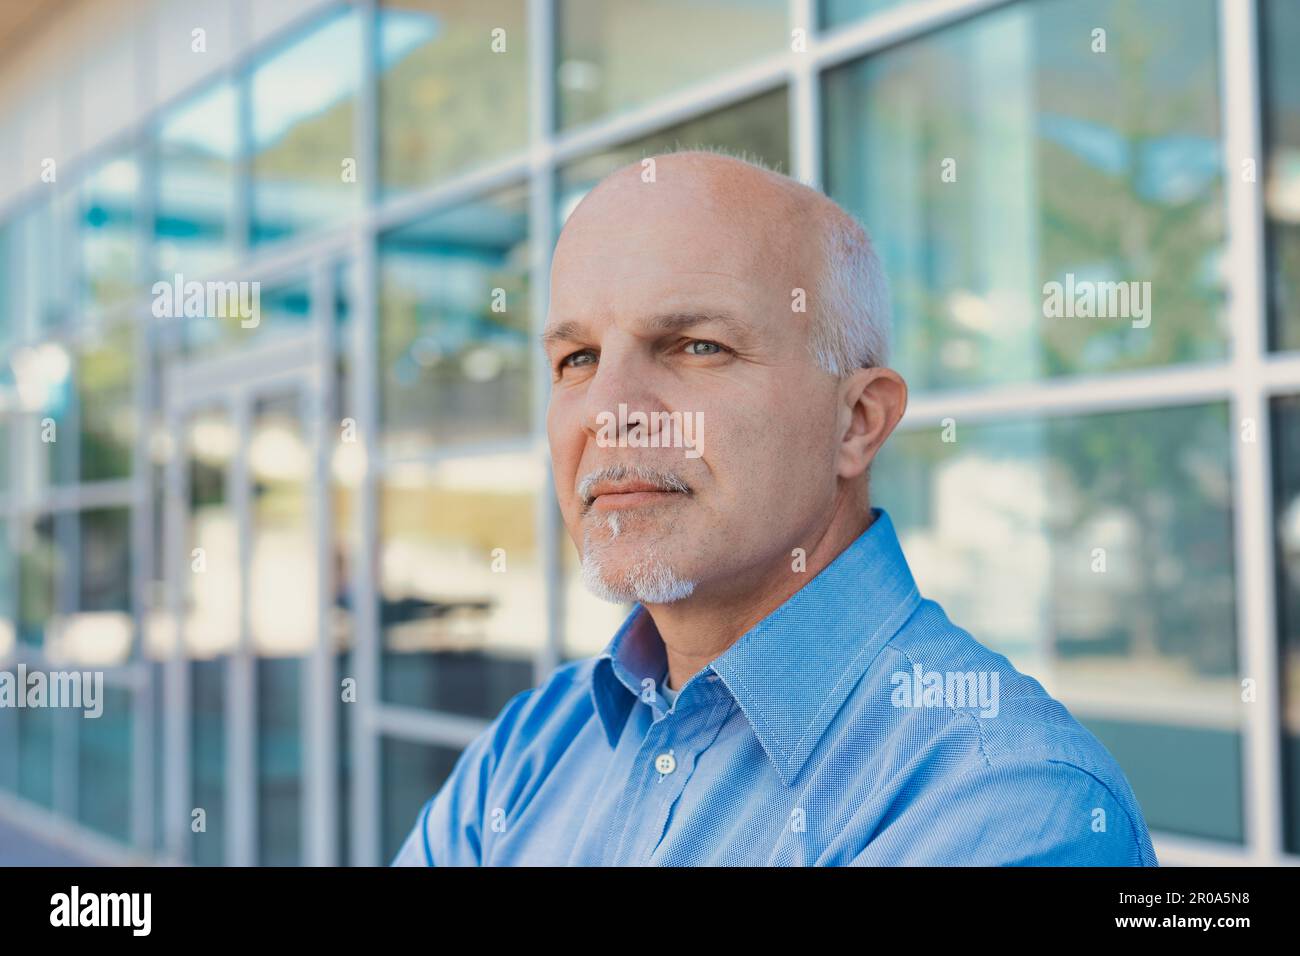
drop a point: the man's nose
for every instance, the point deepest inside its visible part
(622, 377)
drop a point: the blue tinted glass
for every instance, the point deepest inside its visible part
(303, 104)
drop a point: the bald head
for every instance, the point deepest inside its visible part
(795, 235)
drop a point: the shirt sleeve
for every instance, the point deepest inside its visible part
(1020, 810)
(449, 828)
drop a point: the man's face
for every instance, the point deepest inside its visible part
(679, 296)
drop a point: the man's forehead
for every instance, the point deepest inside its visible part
(740, 326)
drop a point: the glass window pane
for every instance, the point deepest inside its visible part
(43, 387)
(1286, 506)
(303, 101)
(36, 754)
(836, 13)
(104, 766)
(410, 774)
(107, 403)
(101, 631)
(110, 260)
(208, 759)
(198, 145)
(283, 563)
(38, 267)
(452, 93)
(614, 55)
(279, 761)
(759, 127)
(10, 305)
(461, 582)
(40, 567)
(283, 549)
(1003, 155)
(211, 624)
(8, 589)
(455, 341)
(1096, 553)
(251, 315)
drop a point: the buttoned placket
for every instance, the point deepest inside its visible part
(676, 737)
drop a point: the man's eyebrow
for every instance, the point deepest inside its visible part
(664, 324)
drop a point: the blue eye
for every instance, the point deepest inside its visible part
(566, 360)
(712, 345)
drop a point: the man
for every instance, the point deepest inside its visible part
(781, 694)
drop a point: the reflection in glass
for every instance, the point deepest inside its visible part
(208, 758)
(303, 101)
(211, 626)
(43, 387)
(282, 576)
(449, 98)
(40, 565)
(614, 55)
(282, 616)
(250, 319)
(1279, 31)
(197, 149)
(110, 260)
(38, 242)
(454, 335)
(104, 766)
(106, 404)
(837, 13)
(1286, 508)
(1003, 154)
(100, 633)
(1096, 554)
(8, 593)
(759, 127)
(36, 754)
(10, 306)
(460, 582)
(410, 773)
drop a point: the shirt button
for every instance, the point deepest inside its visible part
(666, 763)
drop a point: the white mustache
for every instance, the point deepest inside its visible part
(664, 480)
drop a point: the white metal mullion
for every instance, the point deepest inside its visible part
(365, 848)
(434, 728)
(144, 761)
(805, 98)
(541, 226)
(1076, 395)
(1252, 491)
(318, 697)
(177, 700)
(241, 666)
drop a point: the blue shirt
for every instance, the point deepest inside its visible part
(855, 724)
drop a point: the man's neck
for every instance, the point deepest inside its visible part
(699, 629)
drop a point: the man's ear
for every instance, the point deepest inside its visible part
(872, 402)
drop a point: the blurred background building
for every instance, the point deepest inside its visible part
(278, 543)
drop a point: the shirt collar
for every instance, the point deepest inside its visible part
(792, 671)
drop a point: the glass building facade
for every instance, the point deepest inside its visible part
(313, 558)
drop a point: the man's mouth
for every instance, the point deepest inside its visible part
(621, 495)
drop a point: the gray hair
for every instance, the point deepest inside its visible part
(851, 319)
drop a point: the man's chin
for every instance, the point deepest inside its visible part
(644, 578)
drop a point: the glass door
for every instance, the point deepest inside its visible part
(245, 686)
